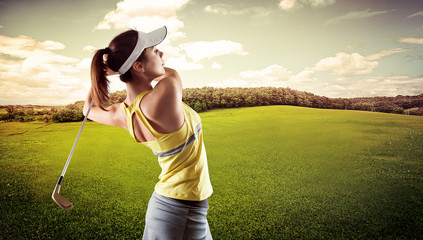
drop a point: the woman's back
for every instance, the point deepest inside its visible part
(181, 153)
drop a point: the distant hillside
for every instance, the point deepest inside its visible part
(208, 98)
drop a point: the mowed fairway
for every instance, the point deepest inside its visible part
(278, 172)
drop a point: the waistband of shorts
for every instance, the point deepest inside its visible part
(200, 204)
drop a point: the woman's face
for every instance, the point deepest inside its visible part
(154, 65)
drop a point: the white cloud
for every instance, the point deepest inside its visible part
(226, 9)
(386, 53)
(320, 3)
(145, 16)
(417, 14)
(217, 8)
(287, 4)
(39, 61)
(180, 63)
(128, 11)
(374, 86)
(292, 4)
(411, 40)
(52, 45)
(206, 50)
(84, 64)
(333, 87)
(23, 46)
(89, 49)
(169, 51)
(270, 76)
(344, 64)
(355, 15)
(216, 65)
(355, 46)
(229, 83)
(32, 73)
(304, 76)
(116, 84)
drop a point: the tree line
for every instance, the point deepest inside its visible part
(209, 98)
(28, 113)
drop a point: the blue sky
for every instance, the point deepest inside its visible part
(333, 48)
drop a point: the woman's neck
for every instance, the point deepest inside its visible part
(134, 88)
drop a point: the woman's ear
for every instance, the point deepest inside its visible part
(137, 66)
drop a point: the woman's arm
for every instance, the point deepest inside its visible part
(113, 115)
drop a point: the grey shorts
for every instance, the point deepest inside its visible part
(169, 219)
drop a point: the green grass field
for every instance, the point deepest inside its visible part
(278, 172)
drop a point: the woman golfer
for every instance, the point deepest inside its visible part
(158, 119)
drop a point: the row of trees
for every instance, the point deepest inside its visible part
(68, 113)
(208, 98)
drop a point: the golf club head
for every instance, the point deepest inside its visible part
(59, 200)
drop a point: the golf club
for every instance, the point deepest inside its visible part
(58, 199)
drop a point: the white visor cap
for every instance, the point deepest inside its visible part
(145, 40)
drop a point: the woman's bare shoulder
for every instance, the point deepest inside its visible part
(163, 104)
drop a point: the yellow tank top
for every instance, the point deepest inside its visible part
(181, 155)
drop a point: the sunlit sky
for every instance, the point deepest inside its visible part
(333, 48)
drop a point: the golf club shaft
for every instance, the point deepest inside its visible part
(74, 144)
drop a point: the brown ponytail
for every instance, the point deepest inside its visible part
(99, 82)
